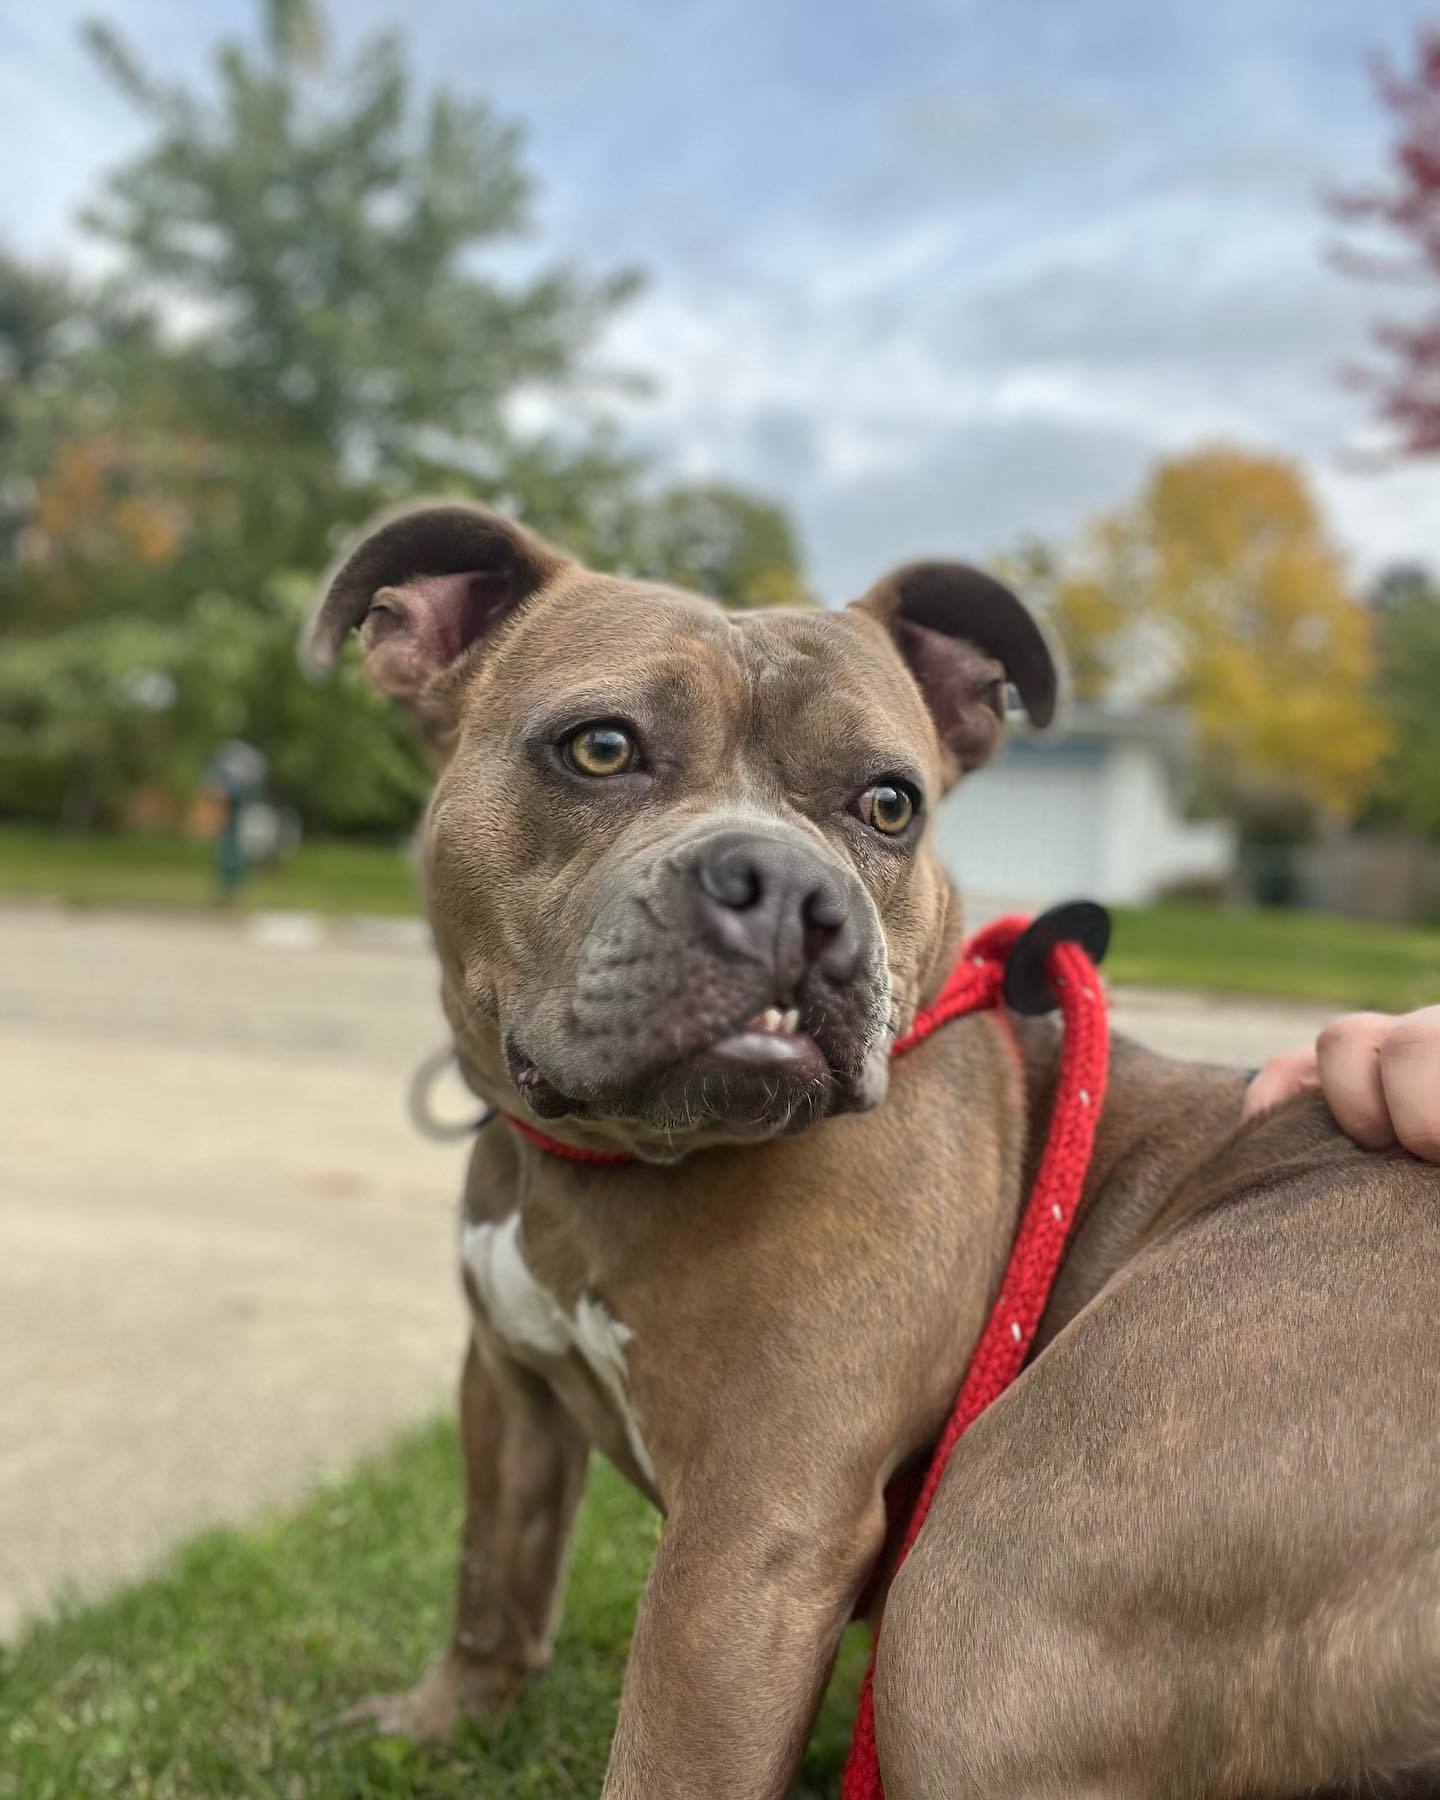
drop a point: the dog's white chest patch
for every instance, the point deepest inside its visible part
(525, 1313)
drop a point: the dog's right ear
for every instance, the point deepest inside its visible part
(423, 587)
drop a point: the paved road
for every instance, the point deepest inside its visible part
(225, 1258)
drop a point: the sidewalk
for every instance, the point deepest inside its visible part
(227, 1258)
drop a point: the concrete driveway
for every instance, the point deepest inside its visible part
(225, 1256)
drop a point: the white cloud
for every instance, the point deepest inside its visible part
(64, 123)
(905, 393)
(933, 300)
(1392, 516)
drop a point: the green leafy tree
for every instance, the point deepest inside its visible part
(305, 323)
(318, 225)
(733, 546)
(92, 713)
(1406, 605)
(47, 320)
(36, 305)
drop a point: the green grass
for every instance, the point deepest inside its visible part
(1295, 955)
(215, 1677)
(169, 872)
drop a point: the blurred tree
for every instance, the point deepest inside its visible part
(1218, 590)
(310, 229)
(35, 307)
(59, 346)
(1081, 608)
(732, 546)
(94, 712)
(1407, 390)
(1406, 604)
(301, 327)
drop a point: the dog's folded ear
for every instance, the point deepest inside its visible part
(964, 636)
(422, 587)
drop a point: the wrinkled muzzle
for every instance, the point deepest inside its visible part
(737, 979)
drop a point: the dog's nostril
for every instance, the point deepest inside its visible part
(823, 916)
(732, 880)
(824, 910)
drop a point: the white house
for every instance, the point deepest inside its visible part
(1091, 808)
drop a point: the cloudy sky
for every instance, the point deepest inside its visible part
(939, 272)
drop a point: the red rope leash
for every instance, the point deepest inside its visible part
(975, 983)
(1000, 1354)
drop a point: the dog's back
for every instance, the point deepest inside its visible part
(1210, 1512)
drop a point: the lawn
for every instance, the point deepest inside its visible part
(1307, 956)
(173, 873)
(1294, 955)
(212, 1678)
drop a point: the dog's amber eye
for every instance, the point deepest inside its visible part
(887, 807)
(600, 750)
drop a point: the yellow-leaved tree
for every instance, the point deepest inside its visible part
(1219, 590)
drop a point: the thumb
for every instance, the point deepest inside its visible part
(1280, 1079)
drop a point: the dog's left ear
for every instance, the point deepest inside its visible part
(964, 636)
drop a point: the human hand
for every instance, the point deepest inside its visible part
(1380, 1076)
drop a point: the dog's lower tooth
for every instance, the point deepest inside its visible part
(790, 1019)
(770, 1018)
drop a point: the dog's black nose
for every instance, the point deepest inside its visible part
(776, 903)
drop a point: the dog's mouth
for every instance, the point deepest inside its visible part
(771, 1040)
(761, 1070)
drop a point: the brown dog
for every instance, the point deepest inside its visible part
(683, 897)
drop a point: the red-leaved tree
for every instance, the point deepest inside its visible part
(1406, 379)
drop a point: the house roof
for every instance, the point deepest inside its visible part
(1082, 726)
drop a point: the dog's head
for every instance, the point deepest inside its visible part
(677, 859)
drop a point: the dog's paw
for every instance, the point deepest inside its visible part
(432, 1710)
(405, 1715)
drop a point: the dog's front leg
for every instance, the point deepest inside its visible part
(524, 1474)
(750, 1589)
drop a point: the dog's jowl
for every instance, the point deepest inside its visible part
(682, 888)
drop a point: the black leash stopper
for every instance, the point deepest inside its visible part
(1027, 986)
